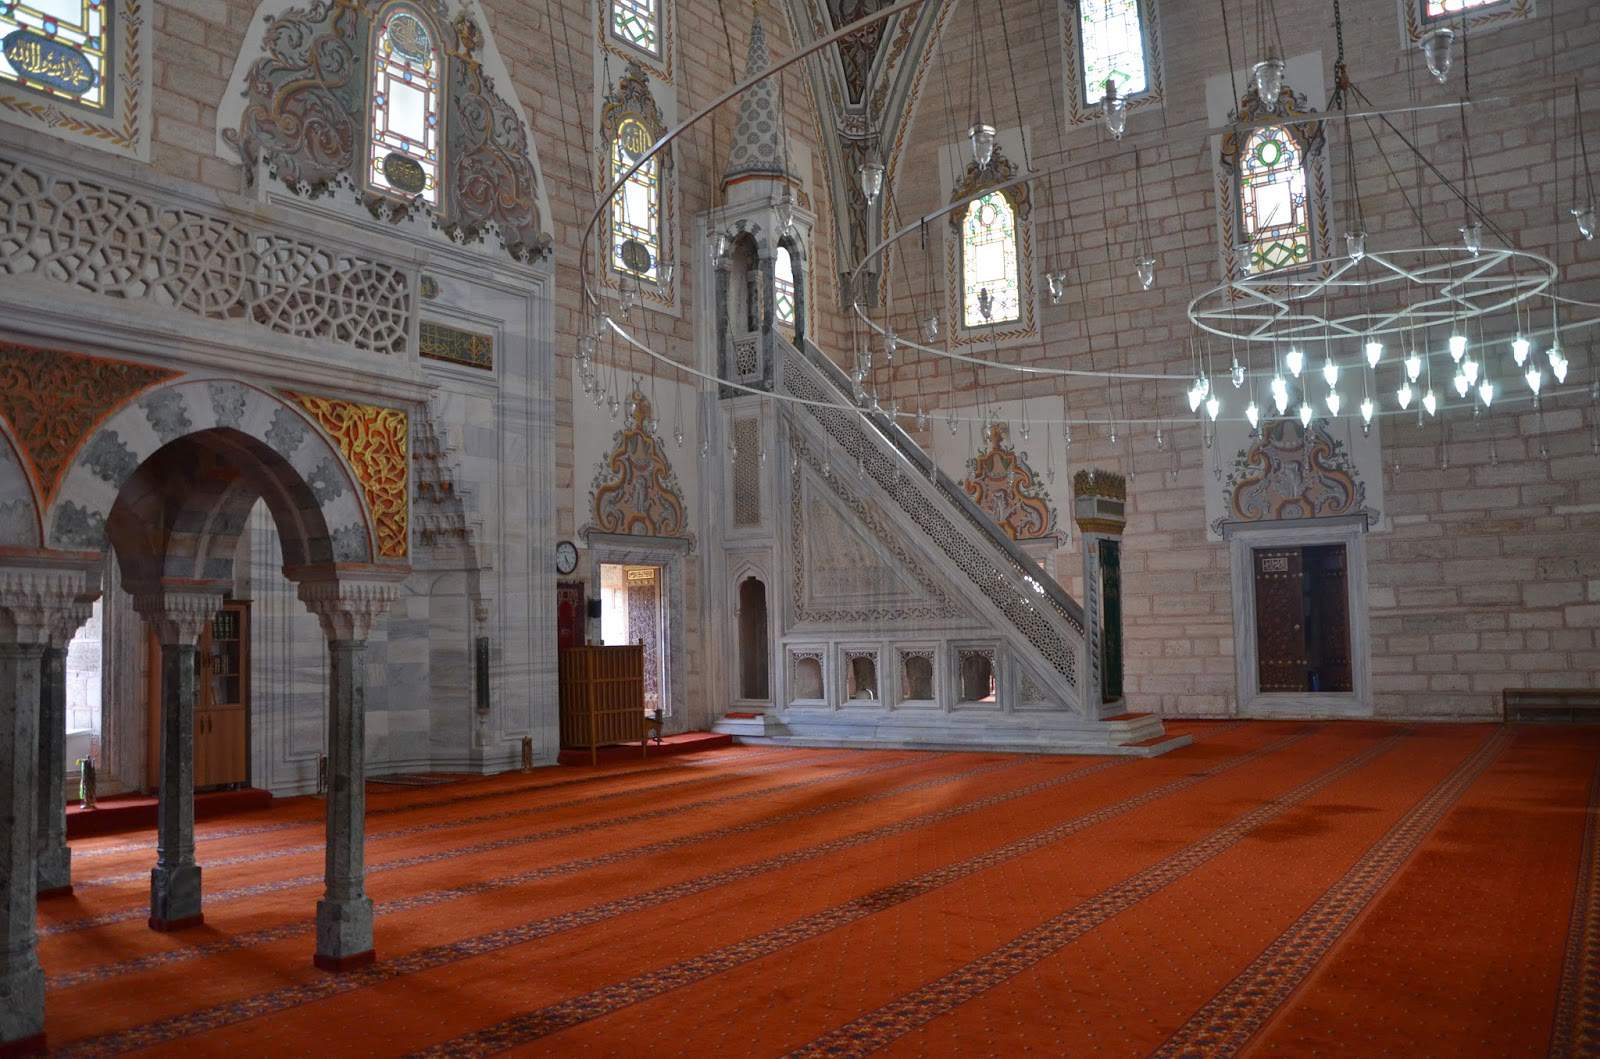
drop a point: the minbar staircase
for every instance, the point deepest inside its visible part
(971, 597)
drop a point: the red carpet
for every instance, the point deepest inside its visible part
(670, 746)
(129, 812)
(1275, 889)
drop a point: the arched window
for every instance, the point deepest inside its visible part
(1109, 40)
(1273, 200)
(989, 262)
(1274, 217)
(637, 23)
(636, 210)
(404, 115)
(58, 48)
(785, 303)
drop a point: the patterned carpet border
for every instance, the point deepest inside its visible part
(205, 834)
(259, 856)
(218, 1016)
(917, 1008)
(530, 1026)
(104, 972)
(1576, 1030)
(1228, 1020)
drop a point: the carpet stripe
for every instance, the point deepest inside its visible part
(1577, 1024)
(431, 958)
(482, 886)
(917, 1008)
(533, 1025)
(71, 926)
(258, 856)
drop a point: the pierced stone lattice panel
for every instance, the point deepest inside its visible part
(747, 472)
(991, 570)
(128, 245)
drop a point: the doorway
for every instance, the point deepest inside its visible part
(1302, 619)
(222, 709)
(633, 611)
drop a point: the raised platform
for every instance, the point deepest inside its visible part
(131, 812)
(685, 743)
(1128, 734)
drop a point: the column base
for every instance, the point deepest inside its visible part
(345, 964)
(344, 932)
(175, 896)
(55, 871)
(167, 926)
(22, 1008)
(34, 1045)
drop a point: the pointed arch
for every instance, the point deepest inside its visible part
(1273, 193)
(405, 105)
(989, 256)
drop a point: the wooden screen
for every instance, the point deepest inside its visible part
(602, 696)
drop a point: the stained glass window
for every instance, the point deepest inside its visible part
(637, 22)
(783, 284)
(989, 261)
(404, 129)
(1111, 35)
(1273, 214)
(1432, 9)
(57, 47)
(636, 209)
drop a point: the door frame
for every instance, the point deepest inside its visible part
(1243, 539)
(670, 554)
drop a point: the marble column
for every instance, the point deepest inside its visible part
(54, 856)
(177, 619)
(347, 611)
(30, 600)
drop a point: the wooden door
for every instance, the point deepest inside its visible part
(1328, 618)
(222, 738)
(1281, 663)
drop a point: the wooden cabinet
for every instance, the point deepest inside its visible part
(222, 714)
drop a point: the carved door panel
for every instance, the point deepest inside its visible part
(1111, 619)
(1328, 618)
(1281, 662)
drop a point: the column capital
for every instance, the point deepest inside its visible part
(348, 607)
(37, 600)
(177, 614)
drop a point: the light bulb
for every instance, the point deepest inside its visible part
(1146, 269)
(1374, 353)
(1461, 384)
(1115, 109)
(1520, 348)
(930, 328)
(1458, 347)
(1056, 282)
(1268, 77)
(1237, 373)
(1472, 237)
(1334, 401)
(1330, 372)
(1558, 368)
(1213, 407)
(871, 174)
(1469, 368)
(1367, 408)
(1355, 244)
(1205, 386)
(1430, 402)
(982, 136)
(1535, 378)
(1584, 215)
(1436, 51)
(1253, 414)
(1486, 392)
(1196, 395)
(1280, 394)
(1296, 361)
(891, 343)
(1413, 367)
(1305, 415)
(1403, 395)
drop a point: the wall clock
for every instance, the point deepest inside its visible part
(566, 558)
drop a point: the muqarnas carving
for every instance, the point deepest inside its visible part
(305, 115)
(1005, 487)
(635, 489)
(1292, 471)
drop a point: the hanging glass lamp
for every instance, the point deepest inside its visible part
(1437, 48)
(1146, 269)
(1296, 362)
(1115, 109)
(871, 174)
(982, 137)
(1520, 348)
(1268, 77)
(1584, 216)
(1374, 352)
